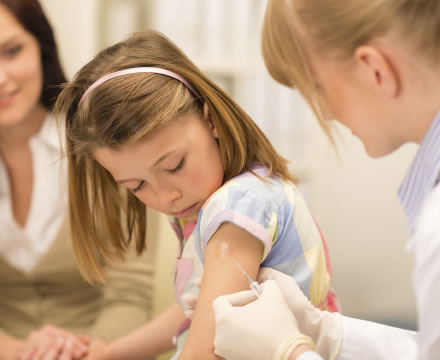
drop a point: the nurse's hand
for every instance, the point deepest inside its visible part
(257, 329)
(323, 327)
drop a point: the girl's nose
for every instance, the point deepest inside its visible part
(168, 196)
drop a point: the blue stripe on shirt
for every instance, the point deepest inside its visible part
(422, 175)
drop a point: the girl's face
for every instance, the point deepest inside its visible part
(21, 76)
(174, 170)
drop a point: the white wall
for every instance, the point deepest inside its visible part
(354, 198)
(75, 23)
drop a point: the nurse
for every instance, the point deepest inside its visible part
(374, 66)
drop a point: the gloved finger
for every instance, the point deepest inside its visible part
(190, 299)
(241, 298)
(189, 313)
(271, 289)
(198, 281)
(221, 306)
(267, 285)
(289, 287)
(266, 273)
(224, 303)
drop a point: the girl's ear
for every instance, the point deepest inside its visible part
(377, 70)
(207, 116)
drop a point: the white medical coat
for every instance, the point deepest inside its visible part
(368, 340)
(420, 196)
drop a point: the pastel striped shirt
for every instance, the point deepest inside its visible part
(275, 213)
(422, 175)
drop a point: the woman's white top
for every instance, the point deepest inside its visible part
(23, 247)
(420, 198)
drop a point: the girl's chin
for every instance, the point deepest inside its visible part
(189, 218)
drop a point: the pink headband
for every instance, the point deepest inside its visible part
(154, 70)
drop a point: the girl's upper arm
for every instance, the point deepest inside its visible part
(221, 276)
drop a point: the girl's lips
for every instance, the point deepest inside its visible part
(185, 212)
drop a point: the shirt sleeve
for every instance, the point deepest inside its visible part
(242, 207)
(368, 340)
(127, 297)
(309, 355)
(426, 276)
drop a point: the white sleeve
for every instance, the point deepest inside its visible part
(426, 276)
(309, 355)
(368, 340)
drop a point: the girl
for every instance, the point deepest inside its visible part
(142, 117)
(374, 66)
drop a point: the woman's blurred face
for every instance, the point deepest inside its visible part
(21, 75)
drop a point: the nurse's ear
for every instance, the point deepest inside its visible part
(378, 71)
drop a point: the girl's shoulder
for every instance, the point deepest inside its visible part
(258, 183)
(261, 204)
(253, 189)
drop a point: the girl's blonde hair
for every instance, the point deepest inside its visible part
(104, 217)
(336, 28)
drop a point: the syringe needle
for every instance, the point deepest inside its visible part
(253, 284)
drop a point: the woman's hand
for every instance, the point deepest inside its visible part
(52, 343)
(98, 351)
(257, 329)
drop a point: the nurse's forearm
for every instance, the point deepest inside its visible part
(10, 347)
(368, 340)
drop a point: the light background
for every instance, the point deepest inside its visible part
(352, 197)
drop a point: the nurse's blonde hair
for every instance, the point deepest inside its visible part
(337, 28)
(105, 218)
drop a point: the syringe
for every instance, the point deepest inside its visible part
(255, 287)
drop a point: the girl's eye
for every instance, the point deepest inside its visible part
(137, 188)
(12, 51)
(178, 167)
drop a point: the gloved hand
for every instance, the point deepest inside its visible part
(263, 329)
(190, 299)
(323, 327)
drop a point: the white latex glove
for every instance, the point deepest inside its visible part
(191, 299)
(263, 329)
(323, 327)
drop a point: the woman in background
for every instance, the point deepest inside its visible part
(46, 310)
